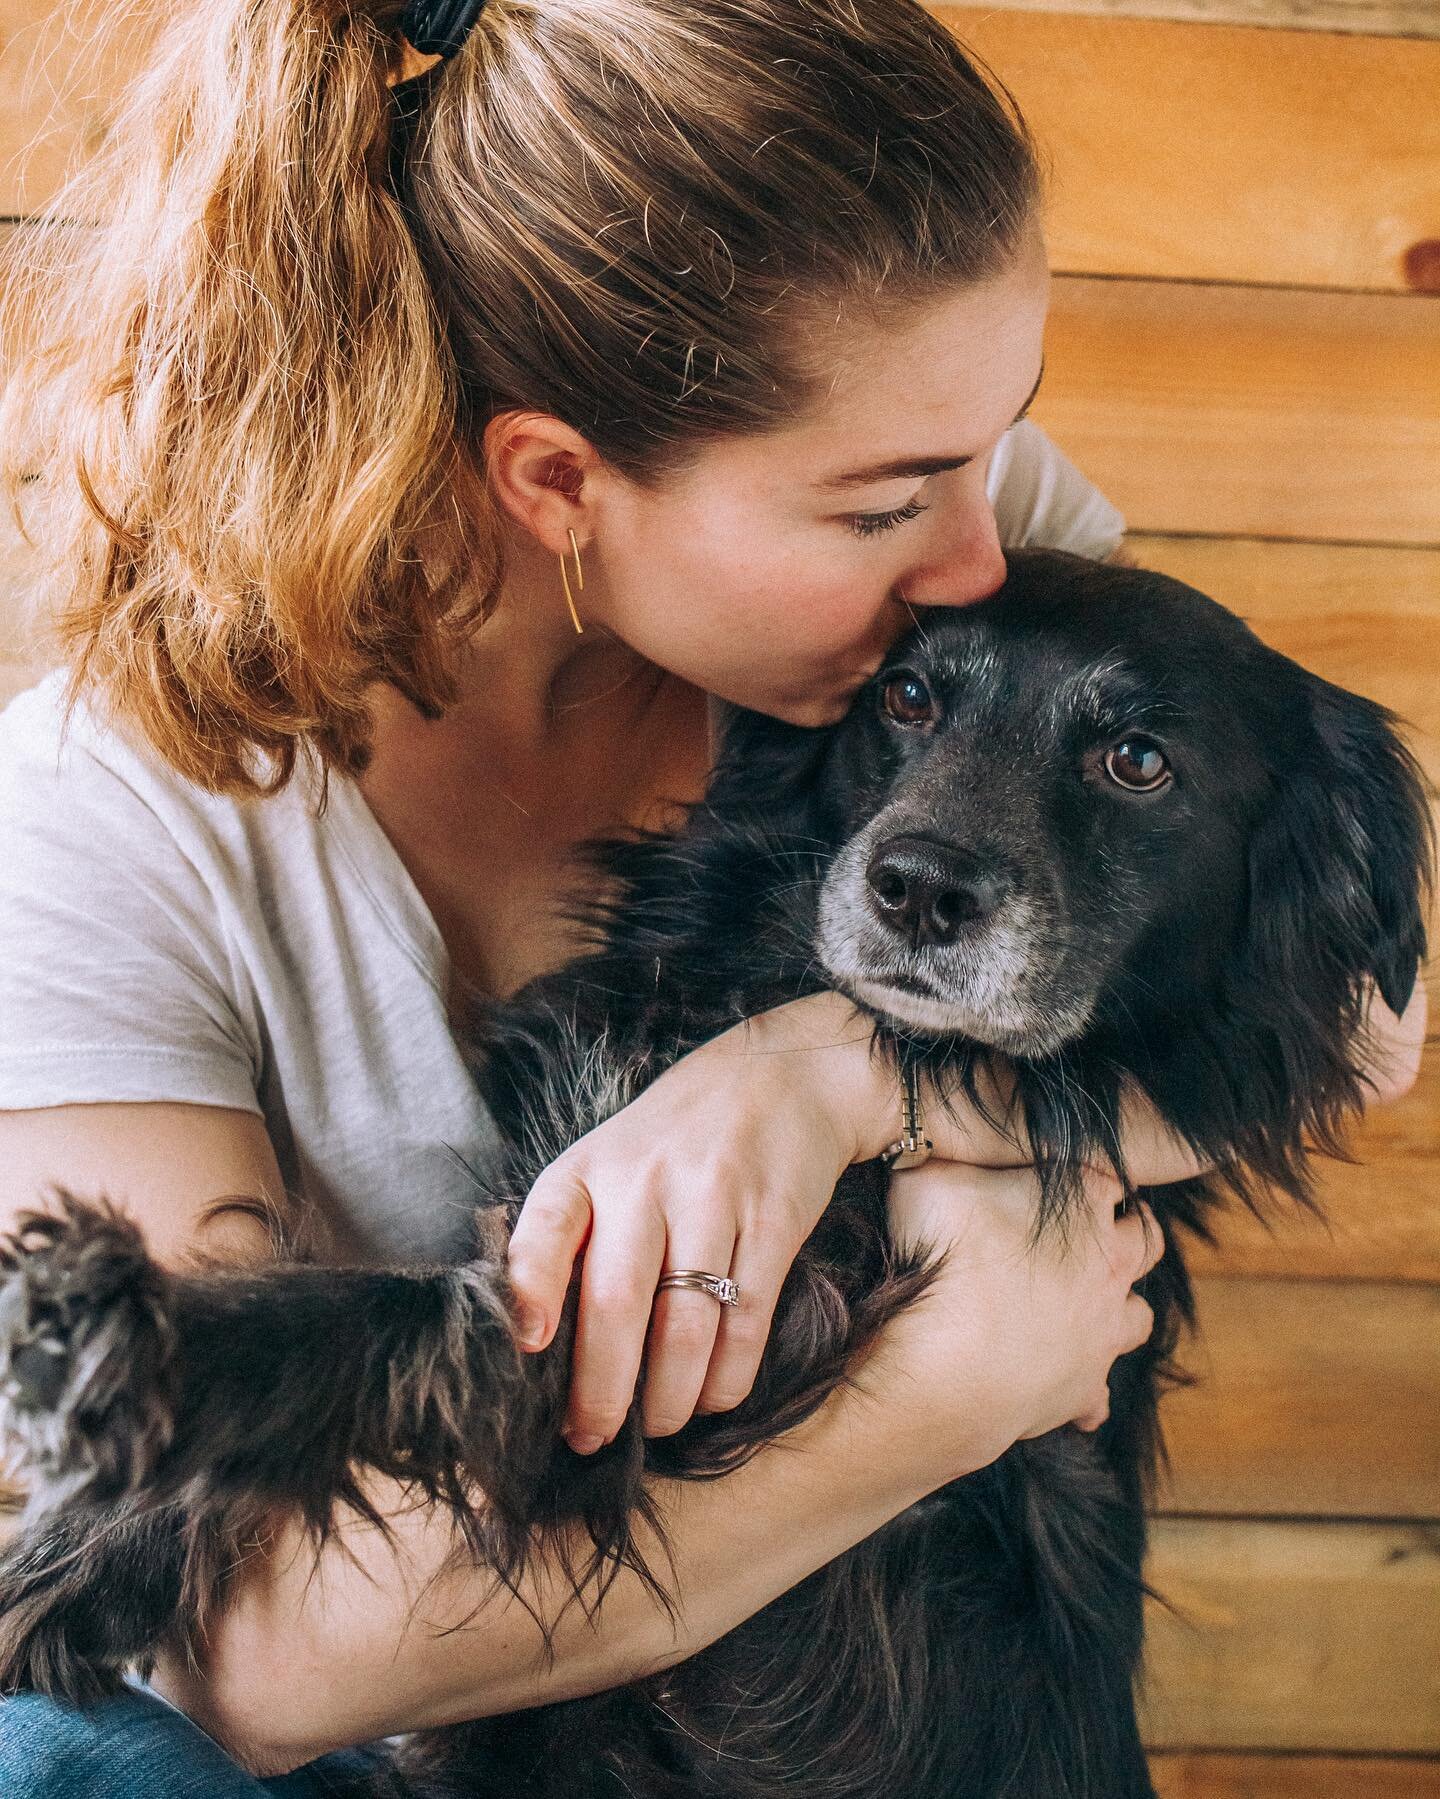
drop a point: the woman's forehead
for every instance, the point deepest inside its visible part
(942, 384)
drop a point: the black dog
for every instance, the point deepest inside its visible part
(1093, 828)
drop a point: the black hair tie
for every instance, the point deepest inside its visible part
(439, 29)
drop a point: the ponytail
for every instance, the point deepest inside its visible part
(231, 431)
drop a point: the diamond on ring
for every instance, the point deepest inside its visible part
(718, 1286)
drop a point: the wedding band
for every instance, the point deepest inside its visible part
(718, 1286)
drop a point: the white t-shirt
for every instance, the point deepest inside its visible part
(160, 943)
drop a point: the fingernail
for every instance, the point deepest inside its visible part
(585, 1445)
(530, 1325)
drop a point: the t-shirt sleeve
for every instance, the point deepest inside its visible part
(1042, 500)
(112, 967)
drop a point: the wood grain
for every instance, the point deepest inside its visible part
(1294, 1777)
(1250, 411)
(1381, 1214)
(1314, 1399)
(1309, 1637)
(1275, 157)
(1416, 18)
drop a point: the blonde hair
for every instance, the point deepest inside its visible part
(248, 414)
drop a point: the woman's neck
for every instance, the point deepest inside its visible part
(553, 740)
(534, 697)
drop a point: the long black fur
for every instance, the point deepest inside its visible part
(1210, 945)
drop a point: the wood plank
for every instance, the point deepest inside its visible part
(1313, 1637)
(1415, 18)
(1298, 100)
(1304, 159)
(1251, 411)
(1294, 1777)
(1314, 1399)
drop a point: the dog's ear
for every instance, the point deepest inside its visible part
(1341, 868)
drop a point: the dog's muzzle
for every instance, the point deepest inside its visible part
(944, 940)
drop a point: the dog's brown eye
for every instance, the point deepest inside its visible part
(907, 699)
(1138, 765)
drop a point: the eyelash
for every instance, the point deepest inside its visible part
(871, 524)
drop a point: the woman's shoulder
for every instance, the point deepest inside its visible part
(101, 840)
(112, 973)
(81, 791)
(59, 778)
(31, 724)
(1042, 500)
(57, 748)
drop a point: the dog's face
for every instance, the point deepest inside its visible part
(1097, 795)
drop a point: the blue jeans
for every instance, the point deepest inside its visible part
(135, 1746)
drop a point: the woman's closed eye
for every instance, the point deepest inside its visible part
(870, 524)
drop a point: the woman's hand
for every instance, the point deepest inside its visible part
(1015, 1338)
(723, 1164)
(1393, 1046)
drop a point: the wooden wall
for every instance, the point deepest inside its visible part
(1245, 354)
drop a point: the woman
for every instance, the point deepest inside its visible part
(443, 423)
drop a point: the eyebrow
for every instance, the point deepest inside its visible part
(908, 467)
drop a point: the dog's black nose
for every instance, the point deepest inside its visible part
(931, 891)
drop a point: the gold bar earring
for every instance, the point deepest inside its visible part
(579, 582)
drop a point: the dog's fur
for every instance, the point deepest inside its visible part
(980, 884)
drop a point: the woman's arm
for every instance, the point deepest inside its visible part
(299, 1666)
(374, 1639)
(196, 1179)
(369, 1638)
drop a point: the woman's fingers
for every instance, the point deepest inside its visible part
(682, 1337)
(550, 1232)
(1139, 1245)
(623, 1264)
(684, 1324)
(1096, 1413)
(759, 1269)
(734, 1342)
(1390, 1047)
(1144, 1240)
(1139, 1322)
(1126, 1226)
(1154, 1154)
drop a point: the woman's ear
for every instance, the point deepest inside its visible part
(1341, 869)
(538, 469)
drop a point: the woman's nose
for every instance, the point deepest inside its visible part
(969, 567)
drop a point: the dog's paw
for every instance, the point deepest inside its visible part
(86, 1384)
